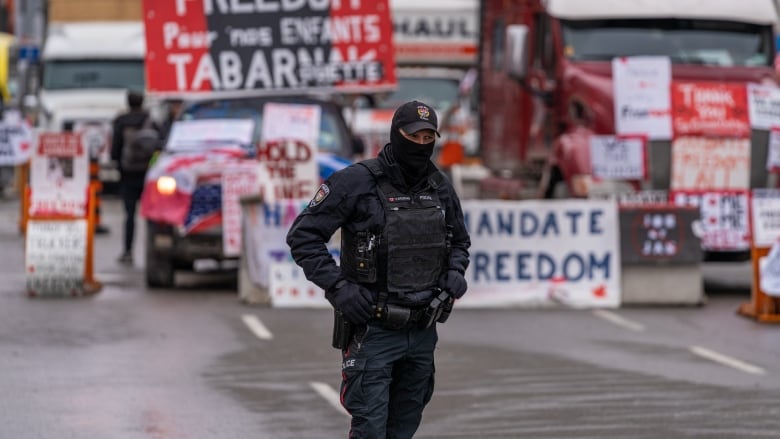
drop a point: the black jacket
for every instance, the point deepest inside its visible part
(129, 119)
(352, 203)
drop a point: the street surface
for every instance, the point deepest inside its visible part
(194, 362)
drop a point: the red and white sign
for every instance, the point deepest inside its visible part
(724, 224)
(713, 109)
(232, 48)
(59, 175)
(288, 149)
(710, 163)
(618, 157)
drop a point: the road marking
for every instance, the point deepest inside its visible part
(620, 321)
(257, 327)
(330, 395)
(726, 360)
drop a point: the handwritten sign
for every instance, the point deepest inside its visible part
(59, 175)
(543, 253)
(237, 181)
(618, 157)
(55, 253)
(724, 222)
(642, 101)
(764, 103)
(710, 163)
(288, 149)
(703, 108)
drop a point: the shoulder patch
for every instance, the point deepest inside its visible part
(321, 194)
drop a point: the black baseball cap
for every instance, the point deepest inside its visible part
(414, 116)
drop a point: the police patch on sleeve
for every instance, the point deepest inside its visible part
(321, 194)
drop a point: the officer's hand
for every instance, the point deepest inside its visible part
(353, 300)
(454, 283)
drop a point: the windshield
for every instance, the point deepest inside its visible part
(200, 135)
(331, 139)
(71, 74)
(704, 42)
(439, 93)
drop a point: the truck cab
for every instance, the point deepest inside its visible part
(546, 81)
(88, 67)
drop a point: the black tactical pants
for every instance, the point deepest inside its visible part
(388, 378)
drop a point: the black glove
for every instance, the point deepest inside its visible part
(454, 283)
(353, 300)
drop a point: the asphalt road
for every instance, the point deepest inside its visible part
(194, 362)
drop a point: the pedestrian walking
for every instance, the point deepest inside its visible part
(404, 252)
(134, 142)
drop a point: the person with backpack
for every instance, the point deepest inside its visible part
(135, 140)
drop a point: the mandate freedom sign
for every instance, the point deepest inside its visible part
(234, 46)
(543, 253)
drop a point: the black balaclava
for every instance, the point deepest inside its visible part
(412, 158)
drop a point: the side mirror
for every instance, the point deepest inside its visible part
(516, 55)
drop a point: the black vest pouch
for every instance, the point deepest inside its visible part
(416, 244)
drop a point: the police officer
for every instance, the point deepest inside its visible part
(404, 247)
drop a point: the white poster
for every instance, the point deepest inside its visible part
(55, 254)
(238, 180)
(764, 106)
(59, 175)
(710, 163)
(290, 289)
(96, 138)
(16, 139)
(769, 271)
(642, 96)
(543, 253)
(618, 158)
(765, 210)
(288, 148)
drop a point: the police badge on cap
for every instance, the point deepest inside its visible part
(414, 116)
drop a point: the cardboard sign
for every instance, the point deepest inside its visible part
(703, 108)
(231, 48)
(724, 222)
(59, 175)
(659, 235)
(710, 163)
(288, 149)
(618, 157)
(642, 102)
(55, 253)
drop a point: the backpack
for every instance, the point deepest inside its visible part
(140, 144)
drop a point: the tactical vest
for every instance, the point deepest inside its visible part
(411, 252)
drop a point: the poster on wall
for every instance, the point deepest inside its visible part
(642, 101)
(59, 175)
(55, 254)
(724, 222)
(542, 253)
(710, 108)
(618, 157)
(710, 163)
(239, 47)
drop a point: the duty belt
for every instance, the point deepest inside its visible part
(394, 316)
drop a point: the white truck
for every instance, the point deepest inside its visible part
(87, 69)
(436, 45)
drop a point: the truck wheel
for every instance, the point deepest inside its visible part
(159, 267)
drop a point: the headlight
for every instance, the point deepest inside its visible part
(166, 185)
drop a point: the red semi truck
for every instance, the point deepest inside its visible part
(546, 86)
